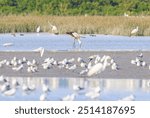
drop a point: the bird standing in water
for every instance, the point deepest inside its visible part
(76, 36)
(54, 28)
(38, 29)
(134, 31)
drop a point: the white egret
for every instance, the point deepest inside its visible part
(54, 28)
(38, 29)
(134, 31)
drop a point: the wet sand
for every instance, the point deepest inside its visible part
(122, 58)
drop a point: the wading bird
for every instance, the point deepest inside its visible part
(134, 31)
(76, 36)
(54, 28)
(38, 29)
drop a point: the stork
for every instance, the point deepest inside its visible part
(76, 36)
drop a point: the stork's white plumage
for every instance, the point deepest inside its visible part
(76, 36)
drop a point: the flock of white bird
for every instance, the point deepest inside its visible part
(90, 66)
(139, 61)
(9, 87)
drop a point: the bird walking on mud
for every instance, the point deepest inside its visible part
(76, 36)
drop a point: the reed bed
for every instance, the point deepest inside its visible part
(112, 25)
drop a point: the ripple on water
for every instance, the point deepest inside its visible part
(30, 41)
(61, 88)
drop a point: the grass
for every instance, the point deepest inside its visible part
(113, 25)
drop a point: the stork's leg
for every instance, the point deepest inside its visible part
(80, 43)
(74, 44)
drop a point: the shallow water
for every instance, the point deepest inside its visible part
(111, 89)
(32, 41)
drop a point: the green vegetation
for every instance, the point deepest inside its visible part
(114, 25)
(75, 7)
(82, 16)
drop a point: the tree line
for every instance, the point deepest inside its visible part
(75, 7)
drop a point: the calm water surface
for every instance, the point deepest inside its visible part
(111, 89)
(32, 41)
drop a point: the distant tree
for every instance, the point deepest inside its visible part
(75, 7)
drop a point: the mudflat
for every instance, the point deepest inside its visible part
(122, 58)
